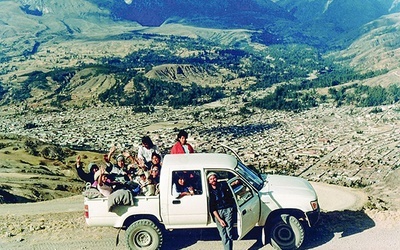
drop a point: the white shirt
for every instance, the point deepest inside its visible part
(145, 154)
(186, 148)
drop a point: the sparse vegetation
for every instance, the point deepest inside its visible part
(49, 177)
(366, 96)
(2, 90)
(31, 147)
(150, 92)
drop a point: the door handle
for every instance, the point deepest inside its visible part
(176, 202)
(244, 212)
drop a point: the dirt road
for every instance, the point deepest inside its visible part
(59, 224)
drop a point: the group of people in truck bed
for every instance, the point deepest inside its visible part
(141, 176)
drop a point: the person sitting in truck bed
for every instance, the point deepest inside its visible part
(117, 172)
(89, 176)
(106, 186)
(180, 188)
(155, 161)
(147, 188)
(154, 176)
(116, 196)
(146, 151)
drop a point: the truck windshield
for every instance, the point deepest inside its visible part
(250, 176)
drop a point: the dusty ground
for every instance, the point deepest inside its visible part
(59, 224)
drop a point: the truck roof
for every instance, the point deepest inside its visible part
(199, 160)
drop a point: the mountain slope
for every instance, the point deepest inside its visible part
(24, 28)
(337, 21)
(344, 14)
(228, 13)
(378, 46)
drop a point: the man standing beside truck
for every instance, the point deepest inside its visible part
(222, 207)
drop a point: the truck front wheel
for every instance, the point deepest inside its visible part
(144, 234)
(286, 233)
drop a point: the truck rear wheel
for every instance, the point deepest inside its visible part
(286, 233)
(144, 234)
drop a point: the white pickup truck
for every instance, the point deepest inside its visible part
(281, 205)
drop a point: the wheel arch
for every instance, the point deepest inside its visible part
(128, 221)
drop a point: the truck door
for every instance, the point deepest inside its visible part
(248, 206)
(188, 209)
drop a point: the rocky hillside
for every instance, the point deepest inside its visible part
(344, 15)
(183, 73)
(378, 46)
(35, 171)
(26, 30)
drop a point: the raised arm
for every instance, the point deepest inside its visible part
(112, 151)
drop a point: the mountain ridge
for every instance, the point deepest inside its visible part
(288, 21)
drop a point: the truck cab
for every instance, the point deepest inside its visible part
(281, 205)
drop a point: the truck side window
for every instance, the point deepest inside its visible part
(224, 175)
(242, 192)
(186, 183)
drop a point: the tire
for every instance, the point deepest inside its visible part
(286, 233)
(144, 234)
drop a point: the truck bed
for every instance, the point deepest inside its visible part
(97, 214)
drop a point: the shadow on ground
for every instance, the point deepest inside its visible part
(345, 223)
(179, 239)
(6, 197)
